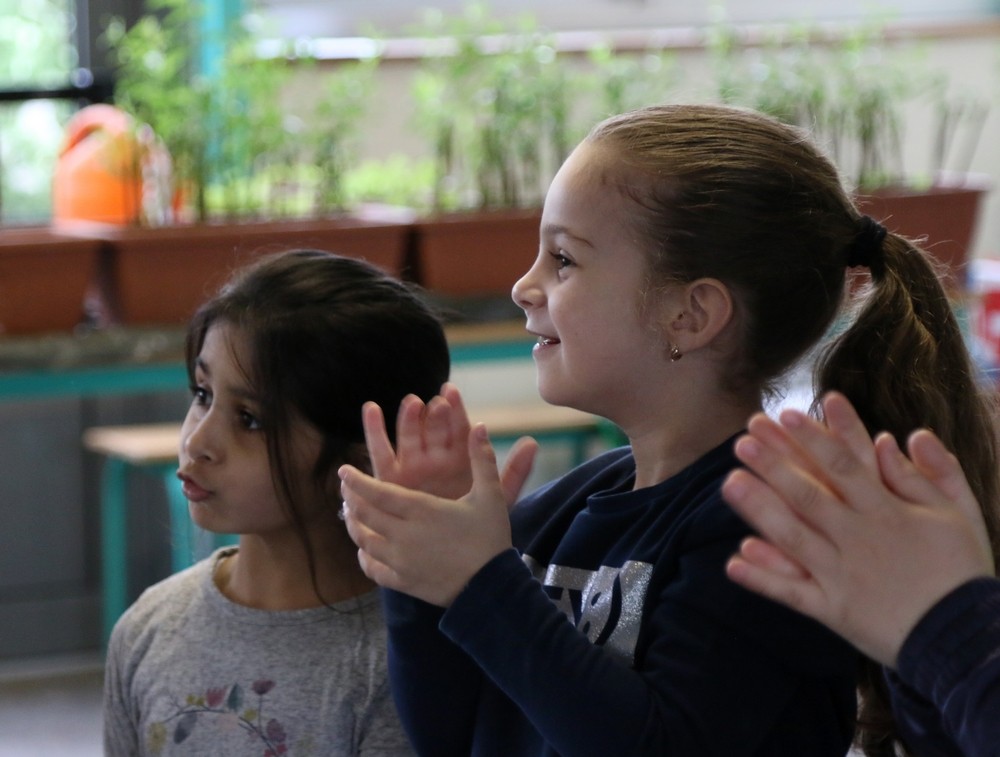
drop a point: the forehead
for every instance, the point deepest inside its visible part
(585, 188)
(225, 347)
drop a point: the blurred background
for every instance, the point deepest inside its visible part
(122, 122)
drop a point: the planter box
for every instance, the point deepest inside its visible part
(159, 276)
(943, 218)
(44, 280)
(475, 253)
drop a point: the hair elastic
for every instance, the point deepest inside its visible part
(867, 245)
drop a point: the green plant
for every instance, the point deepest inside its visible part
(495, 104)
(238, 150)
(623, 82)
(395, 180)
(851, 91)
(502, 108)
(155, 84)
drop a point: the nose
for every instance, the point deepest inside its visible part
(198, 437)
(527, 292)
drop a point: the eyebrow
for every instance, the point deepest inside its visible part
(552, 229)
(241, 392)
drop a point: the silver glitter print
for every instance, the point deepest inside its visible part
(605, 605)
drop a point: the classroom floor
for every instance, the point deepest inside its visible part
(51, 708)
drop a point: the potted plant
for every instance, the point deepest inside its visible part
(249, 173)
(851, 93)
(45, 277)
(501, 111)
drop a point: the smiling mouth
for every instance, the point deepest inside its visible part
(547, 340)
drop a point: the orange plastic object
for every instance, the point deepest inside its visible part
(111, 169)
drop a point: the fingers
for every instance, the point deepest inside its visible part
(439, 424)
(768, 557)
(410, 422)
(932, 458)
(948, 488)
(843, 421)
(517, 467)
(770, 513)
(365, 495)
(380, 450)
(901, 475)
(377, 571)
(843, 454)
(483, 457)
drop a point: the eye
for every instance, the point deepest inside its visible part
(249, 421)
(561, 260)
(200, 396)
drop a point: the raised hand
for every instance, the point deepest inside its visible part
(432, 447)
(854, 534)
(429, 546)
(431, 451)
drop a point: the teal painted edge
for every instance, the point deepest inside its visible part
(94, 381)
(135, 379)
(478, 352)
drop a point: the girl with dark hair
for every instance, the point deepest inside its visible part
(276, 646)
(690, 255)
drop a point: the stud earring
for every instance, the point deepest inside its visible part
(675, 354)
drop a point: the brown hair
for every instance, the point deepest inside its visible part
(735, 195)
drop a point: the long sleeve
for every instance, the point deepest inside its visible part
(702, 688)
(947, 693)
(611, 629)
(434, 683)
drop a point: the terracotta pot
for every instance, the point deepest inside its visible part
(475, 253)
(161, 275)
(44, 279)
(942, 219)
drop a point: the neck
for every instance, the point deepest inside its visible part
(270, 573)
(666, 442)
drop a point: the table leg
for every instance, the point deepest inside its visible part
(114, 544)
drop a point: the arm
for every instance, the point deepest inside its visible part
(950, 659)
(717, 676)
(854, 534)
(120, 735)
(431, 455)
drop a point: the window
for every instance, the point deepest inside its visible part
(44, 77)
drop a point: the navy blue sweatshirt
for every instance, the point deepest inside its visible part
(612, 630)
(946, 695)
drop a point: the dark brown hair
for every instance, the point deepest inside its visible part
(326, 334)
(734, 195)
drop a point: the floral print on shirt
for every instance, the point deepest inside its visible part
(224, 708)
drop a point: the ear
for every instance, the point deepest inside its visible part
(702, 310)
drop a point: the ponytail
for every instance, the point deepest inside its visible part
(904, 365)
